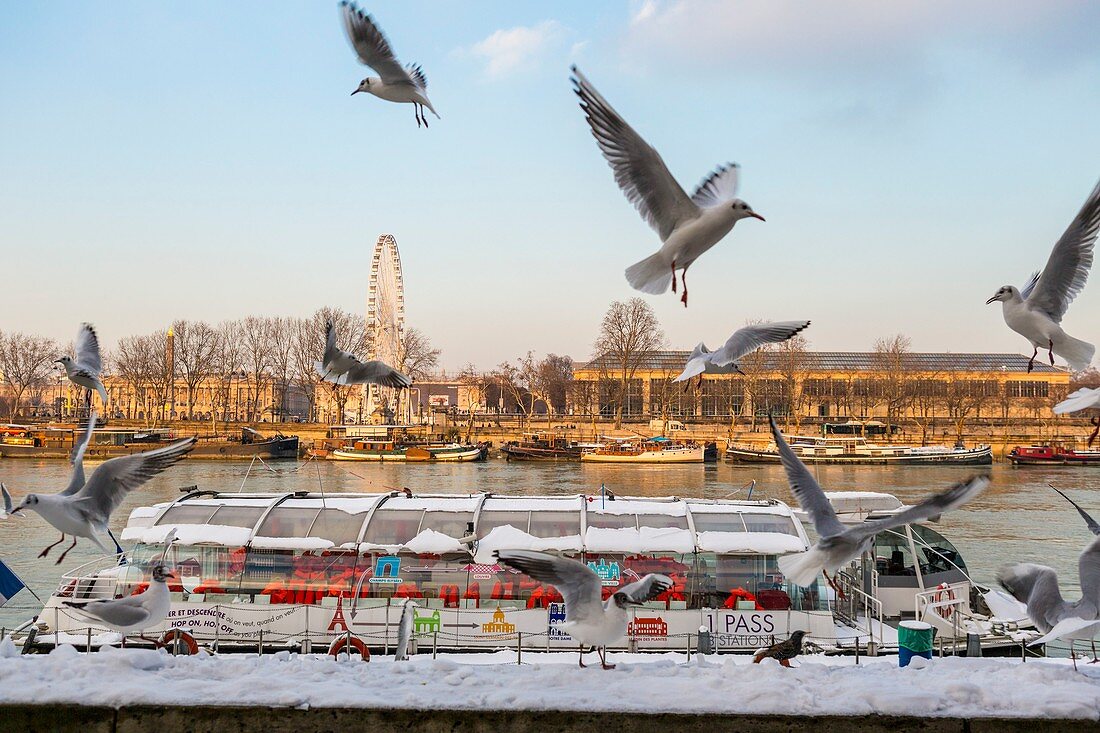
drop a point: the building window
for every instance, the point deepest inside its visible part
(1028, 389)
(669, 398)
(609, 397)
(723, 397)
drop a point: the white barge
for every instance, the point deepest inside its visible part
(312, 572)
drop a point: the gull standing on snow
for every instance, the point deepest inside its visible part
(837, 544)
(1036, 312)
(687, 227)
(85, 370)
(1082, 399)
(1036, 586)
(405, 631)
(588, 619)
(340, 367)
(394, 83)
(744, 341)
(132, 613)
(85, 511)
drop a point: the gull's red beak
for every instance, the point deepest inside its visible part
(757, 216)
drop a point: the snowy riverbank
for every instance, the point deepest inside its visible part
(641, 683)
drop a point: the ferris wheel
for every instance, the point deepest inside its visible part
(385, 322)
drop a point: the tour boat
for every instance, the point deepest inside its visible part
(856, 450)
(1045, 455)
(313, 571)
(387, 450)
(544, 447)
(56, 441)
(645, 451)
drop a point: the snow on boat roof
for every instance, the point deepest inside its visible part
(375, 525)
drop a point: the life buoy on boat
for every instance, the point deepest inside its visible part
(944, 593)
(187, 643)
(354, 642)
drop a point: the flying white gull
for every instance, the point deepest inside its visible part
(86, 511)
(688, 227)
(8, 510)
(404, 631)
(85, 370)
(1037, 586)
(394, 83)
(588, 619)
(837, 544)
(340, 367)
(131, 613)
(744, 341)
(1036, 312)
(1082, 399)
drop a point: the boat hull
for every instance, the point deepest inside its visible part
(411, 454)
(523, 453)
(686, 455)
(273, 449)
(976, 457)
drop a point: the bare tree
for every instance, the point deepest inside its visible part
(196, 350)
(309, 348)
(25, 362)
(629, 334)
(256, 348)
(228, 360)
(282, 332)
(416, 357)
(893, 362)
(133, 361)
(162, 375)
(554, 377)
(513, 382)
(793, 363)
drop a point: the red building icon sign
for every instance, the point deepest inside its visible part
(647, 628)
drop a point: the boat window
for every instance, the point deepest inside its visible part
(708, 522)
(769, 523)
(490, 520)
(237, 516)
(393, 526)
(892, 554)
(337, 526)
(288, 522)
(751, 582)
(936, 554)
(555, 524)
(662, 521)
(612, 521)
(188, 514)
(452, 524)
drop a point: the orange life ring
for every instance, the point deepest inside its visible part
(354, 641)
(187, 643)
(944, 593)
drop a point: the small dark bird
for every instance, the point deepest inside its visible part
(784, 651)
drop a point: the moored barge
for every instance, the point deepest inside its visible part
(857, 451)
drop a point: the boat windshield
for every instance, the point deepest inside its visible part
(936, 554)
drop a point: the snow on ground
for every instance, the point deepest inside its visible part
(642, 682)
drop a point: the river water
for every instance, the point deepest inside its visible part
(1018, 518)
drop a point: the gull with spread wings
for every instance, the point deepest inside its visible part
(837, 544)
(1036, 312)
(743, 342)
(588, 619)
(688, 227)
(85, 370)
(340, 367)
(394, 83)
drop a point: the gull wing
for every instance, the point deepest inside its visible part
(719, 187)
(578, 584)
(646, 589)
(1082, 399)
(87, 356)
(1026, 291)
(1069, 627)
(1068, 267)
(404, 631)
(1088, 570)
(1036, 586)
(123, 612)
(76, 483)
(808, 492)
(1089, 521)
(114, 479)
(376, 372)
(7, 502)
(371, 46)
(933, 506)
(638, 168)
(696, 363)
(746, 340)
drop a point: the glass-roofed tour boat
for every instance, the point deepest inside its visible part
(323, 572)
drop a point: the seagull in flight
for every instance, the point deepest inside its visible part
(1037, 587)
(688, 227)
(1082, 399)
(340, 367)
(8, 509)
(837, 544)
(394, 83)
(83, 510)
(743, 342)
(132, 613)
(588, 619)
(1036, 312)
(86, 369)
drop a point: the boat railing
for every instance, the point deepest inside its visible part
(947, 608)
(97, 579)
(855, 607)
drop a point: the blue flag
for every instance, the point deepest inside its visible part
(10, 584)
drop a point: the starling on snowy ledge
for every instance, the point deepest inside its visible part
(784, 651)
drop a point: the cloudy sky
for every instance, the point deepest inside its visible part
(204, 160)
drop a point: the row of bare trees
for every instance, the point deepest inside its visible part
(258, 355)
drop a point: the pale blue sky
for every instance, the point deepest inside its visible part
(205, 160)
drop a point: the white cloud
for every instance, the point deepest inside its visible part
(643, 11)
(507, 51)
